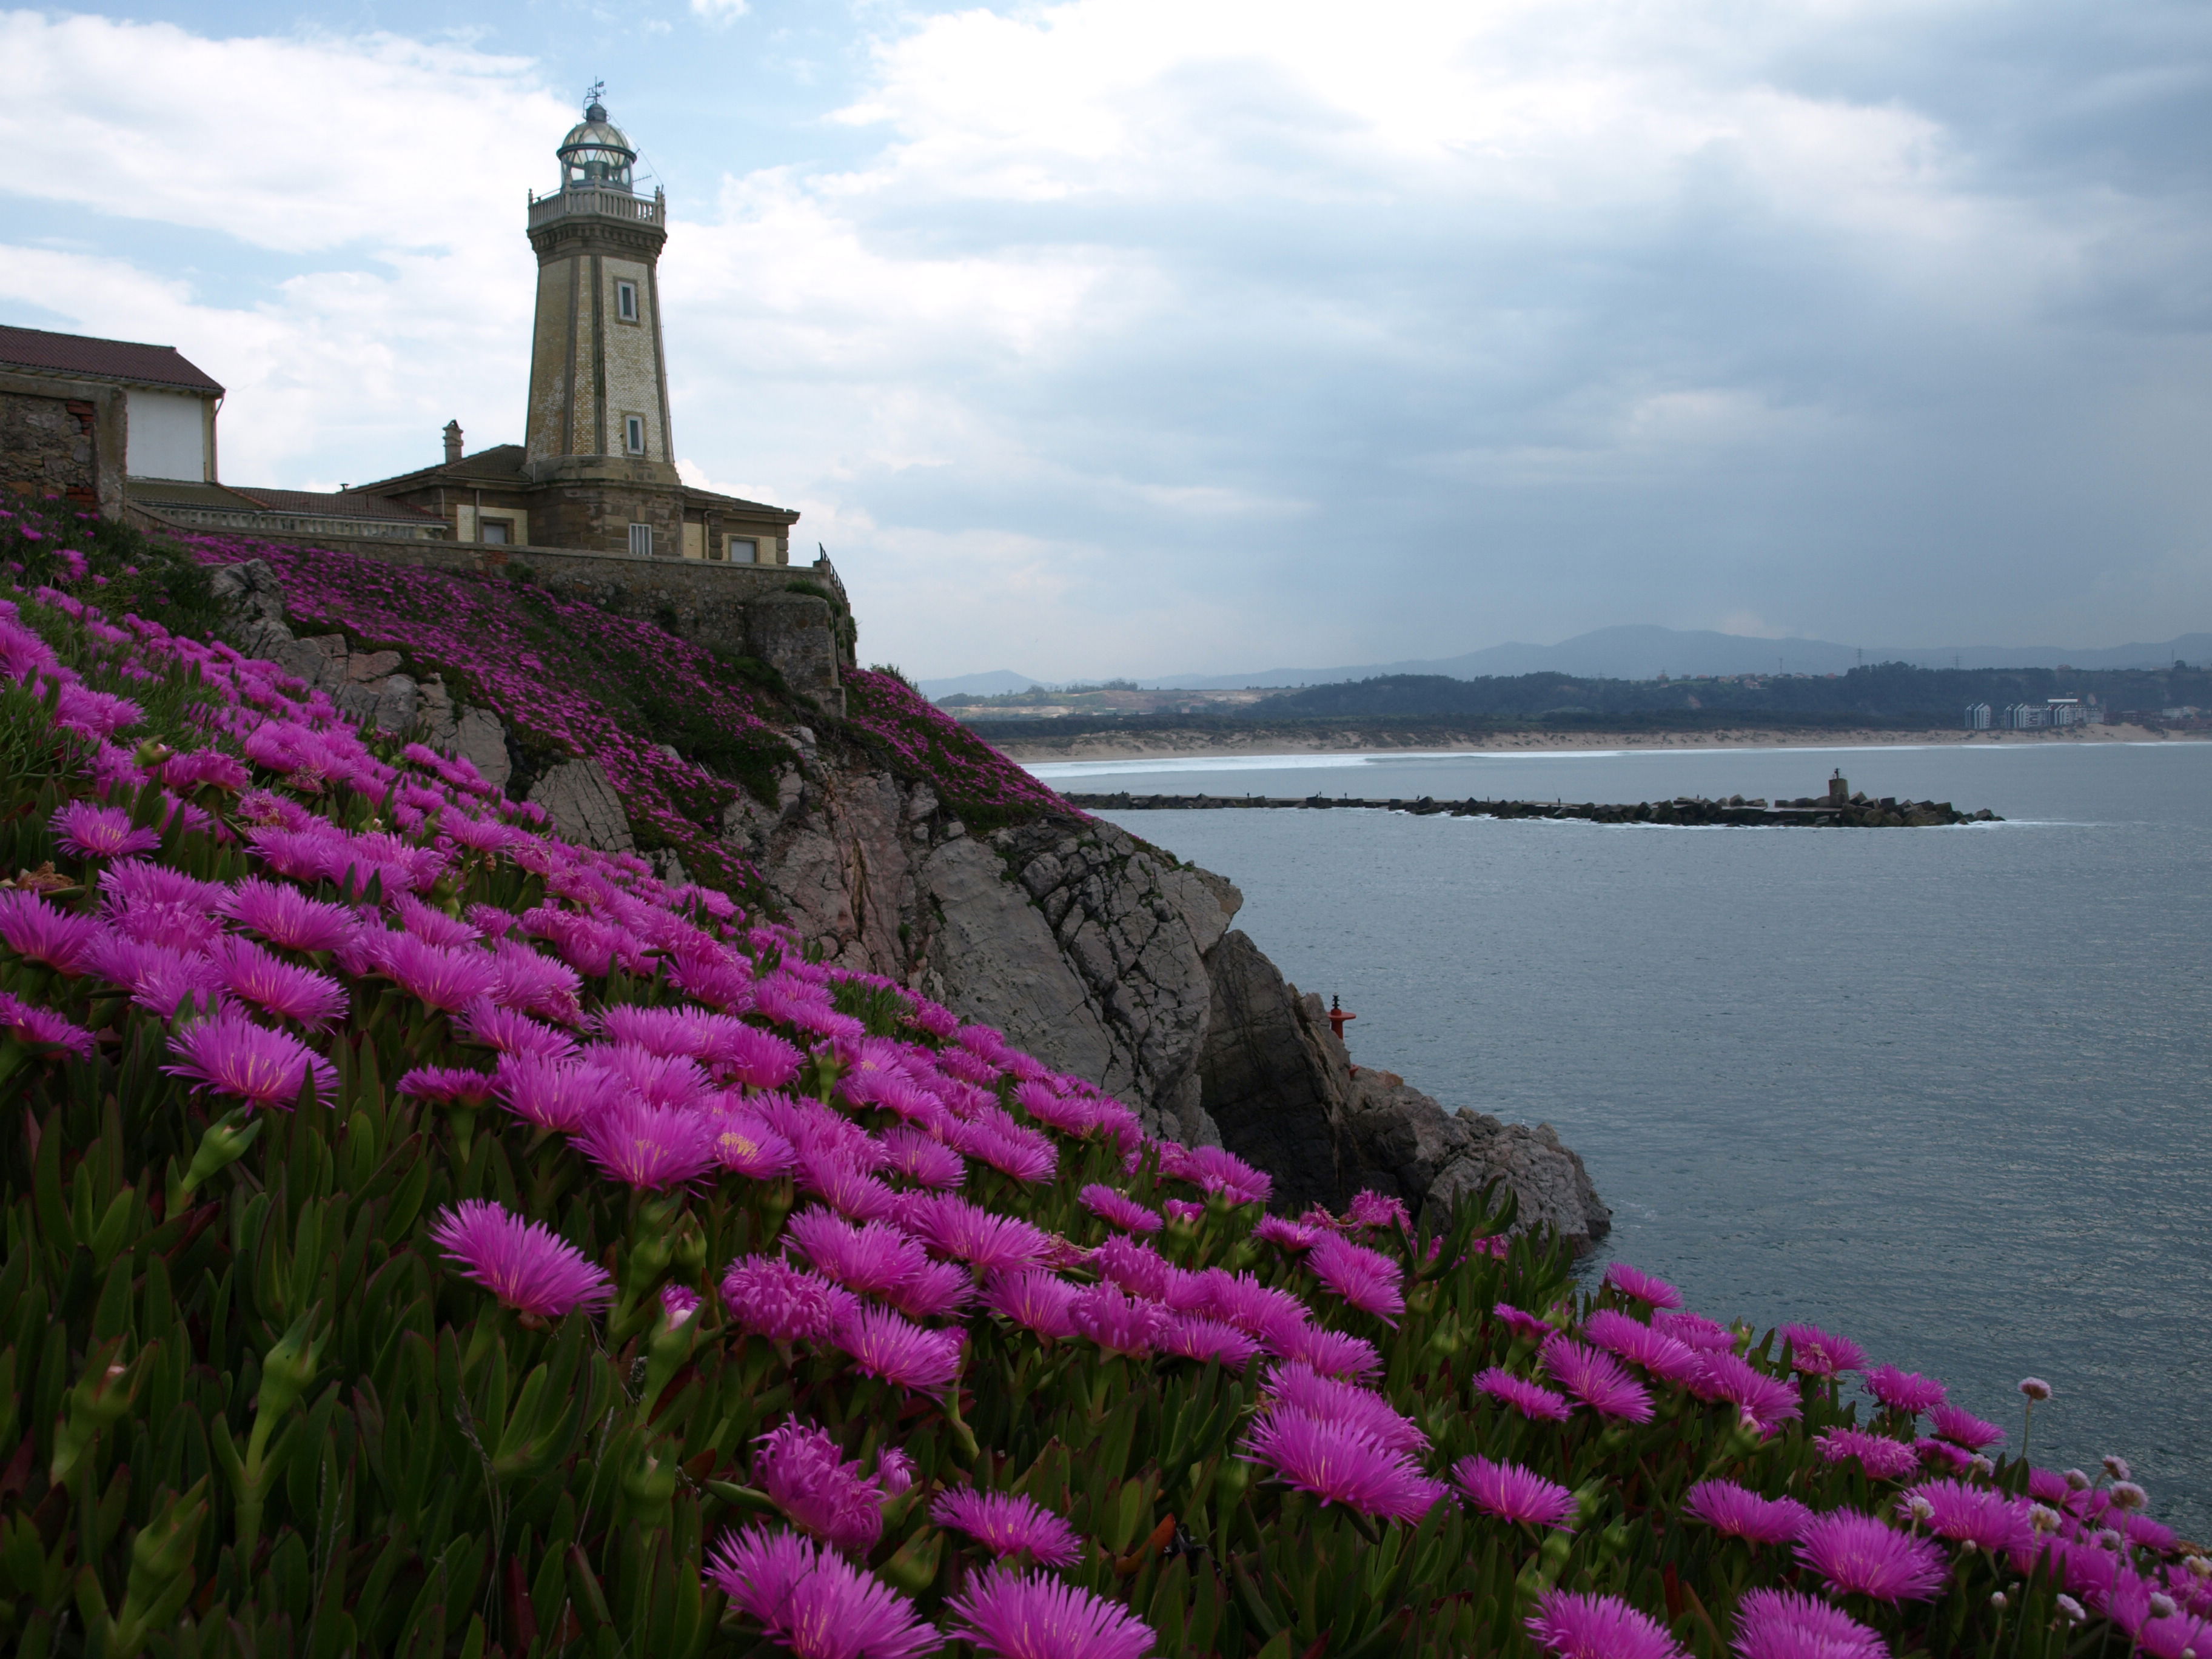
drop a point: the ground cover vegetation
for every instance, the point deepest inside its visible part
(424, 1237)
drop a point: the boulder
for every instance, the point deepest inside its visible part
(1269, 1082)
(581, 801)
(479, 738)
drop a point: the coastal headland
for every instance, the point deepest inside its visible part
(1027, 744)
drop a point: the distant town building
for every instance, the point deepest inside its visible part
(1977, 717)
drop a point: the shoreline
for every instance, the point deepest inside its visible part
(1258, 743)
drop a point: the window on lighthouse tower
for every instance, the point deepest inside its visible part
(634, 434)
(626, 301)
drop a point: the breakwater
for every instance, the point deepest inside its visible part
(1837, 810)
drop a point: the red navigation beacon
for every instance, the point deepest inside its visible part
(1337, 1017)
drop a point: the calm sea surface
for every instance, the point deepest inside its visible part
(1949, 1091)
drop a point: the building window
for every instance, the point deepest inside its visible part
(741, 549)
(634, 434)
(641, 539)
(495, 532)
(626, 301)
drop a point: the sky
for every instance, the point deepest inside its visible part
(1125, 337)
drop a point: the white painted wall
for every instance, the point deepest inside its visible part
(168, 436)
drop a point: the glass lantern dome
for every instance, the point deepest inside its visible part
(596, 155)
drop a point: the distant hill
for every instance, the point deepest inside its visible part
(992, 683)
(1643, 653)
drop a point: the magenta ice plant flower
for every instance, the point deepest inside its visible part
(1366, 1278)
(1979, 1515)
(1640, 1286)
(1301, 1388)
(1905, 1391)
(1576, 1624)
(89, 831)
(1816, 1352)
(1880, 1456)
(645, 1147)
(1514, 1493)
(449, 1085)
(1766, 1401)
(1532, 1399)
(1006, 1524)
(873, 1258)
(1034, 1615)
(883, 1344)
(1597, 1380)
(524, 1263)
(1339, 1463)
(1190, 1336)
(230, 1055)
(275, 986)
(63, 939)
(1783, 1624)
(42, 1028)
(1961, 1427)
(804, 1475)
(769, 1296)
(1118, 1209)
(1639, 1344)
(287, 917)
(1726, 1507)
(1857, 1554)
(1033, 1299)
(813, 1601)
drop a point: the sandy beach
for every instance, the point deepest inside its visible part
(1100, 746)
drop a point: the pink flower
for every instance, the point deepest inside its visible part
(1597, 1380)
(552, 1092)
(745, 1145)
(1726, 1507)
(1639, 1344)
(1116, 1322)
(1333, 1354)
(1256, 1308)
(444, 978)
(1033, 1299)
(524, 1263)
(1366, 1278)
(807, 1477)
(1973, 1515)
(1641, 1286)
(1339, 1463)
(448, 1084)
(1963, 1428)
(1880, 1456)
(1780, 1623)
(923, 1159)
(846, 1187)
(1532, 1399)
(1903, 1391)
(1521, 1322)
(286, 916)
(42, 1028)
(1856, 1554)
(872, 1259)
(645, 1147)
(1695, 1330)
(486, 1022)
(1286, 1234)
(1008, 1525)
(953, 1226)
(279, 987)
(34, 929)
(87, 831)
(938, 1290)
(1514, 1493)
(1300, 1389)
(1118, 1209)
(1182, 1210)
(769, 1296)
(998, 1141)
(883, 1344)
(1373, 1209)
(1191, 1337)
(232, 1056)
(1768, 1402)
(1020, 1615)
(1574, 1625)
(814, 1601)
(1814, 1352)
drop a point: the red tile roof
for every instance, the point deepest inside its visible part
(110, 360)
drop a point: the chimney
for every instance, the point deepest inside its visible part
(453, 442)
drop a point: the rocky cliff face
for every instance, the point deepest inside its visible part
(1102, 956)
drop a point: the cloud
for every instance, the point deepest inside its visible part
(1213, 334)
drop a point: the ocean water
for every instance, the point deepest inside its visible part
(1949, 1091)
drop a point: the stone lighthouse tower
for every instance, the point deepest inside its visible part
(598, 433)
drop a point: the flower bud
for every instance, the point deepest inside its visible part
(2078, 1480)
(288, 1368)
(2118, 1469)
(2042, 1518)
(2161, 1605)
(2126, 1495)
(2035, 1388)
(1997, 1600)
(2200, 1566)
(2071, 1608)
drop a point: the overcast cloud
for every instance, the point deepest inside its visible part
(1128, 336)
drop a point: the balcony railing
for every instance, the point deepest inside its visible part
(603, 204)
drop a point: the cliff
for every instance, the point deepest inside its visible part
(898, 845)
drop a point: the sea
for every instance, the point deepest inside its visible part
(1947, 1091)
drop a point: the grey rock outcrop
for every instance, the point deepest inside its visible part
(580, 799)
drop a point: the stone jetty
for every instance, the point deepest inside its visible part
(1838, 810)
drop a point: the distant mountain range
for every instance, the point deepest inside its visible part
(1643, 653)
